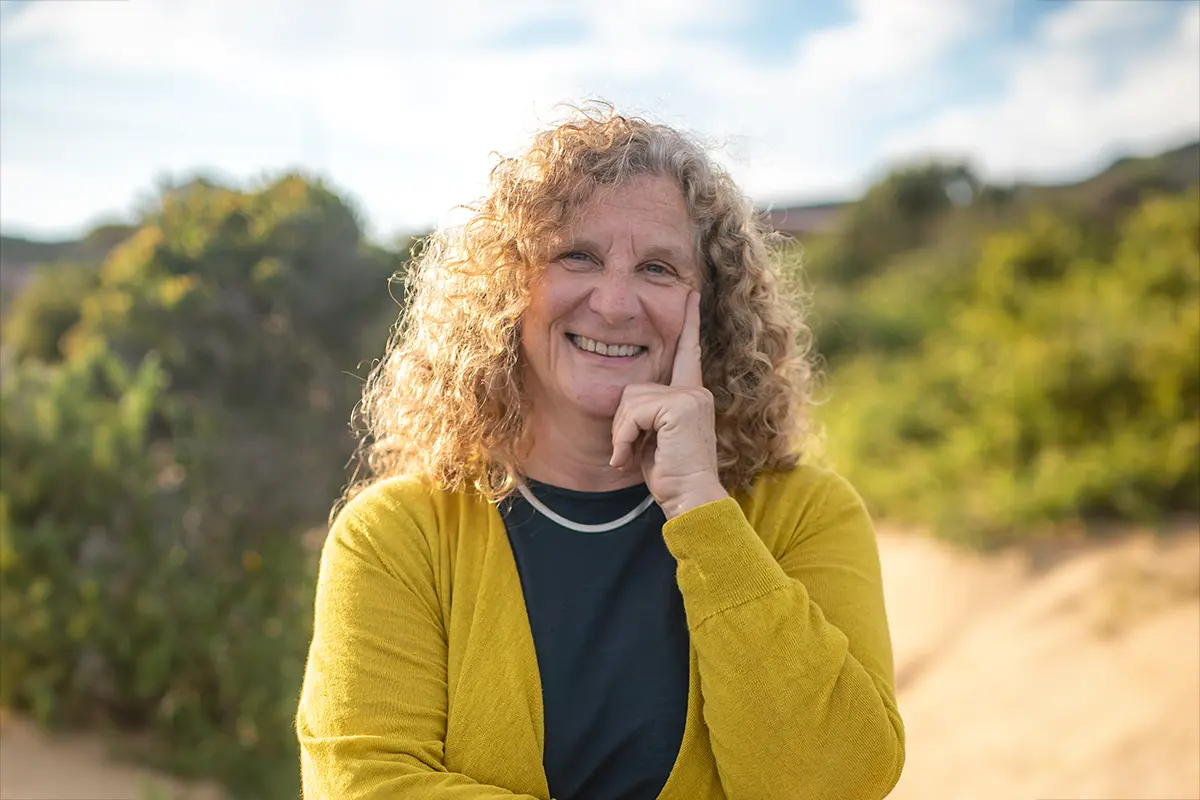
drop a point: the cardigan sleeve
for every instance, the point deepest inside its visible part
(371, 721)
(794, 654)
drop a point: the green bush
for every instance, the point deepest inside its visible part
(46, 309)
(161, 478)
(126, 598)
(892, 313)
(262, 306)
(1062, 387)
(901, 212)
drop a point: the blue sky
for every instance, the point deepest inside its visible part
(400, 104)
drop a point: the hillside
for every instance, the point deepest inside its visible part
(1119, 186)
(1127, 179)
(19, 251)
(19, 255)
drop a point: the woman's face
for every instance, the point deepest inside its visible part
(608, 309)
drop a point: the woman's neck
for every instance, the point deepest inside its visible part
(573, 453)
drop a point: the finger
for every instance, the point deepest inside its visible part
(623, 437)
(628, 425)
(621, 446)
(637, 451)
(646, 447)
(630, 396)
(686, 371)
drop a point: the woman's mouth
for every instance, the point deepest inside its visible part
(605, 349)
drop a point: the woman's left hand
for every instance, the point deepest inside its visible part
(678, 456)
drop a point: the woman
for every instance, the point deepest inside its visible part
(586, 562)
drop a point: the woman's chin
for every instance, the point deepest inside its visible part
(600, 402)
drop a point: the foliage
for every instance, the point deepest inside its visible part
(909, 249)
(160, 478)
(897, 214)
(46, 309)
(1062, 386)
(261, 306)
(126, 597)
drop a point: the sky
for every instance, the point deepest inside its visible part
(403, 105)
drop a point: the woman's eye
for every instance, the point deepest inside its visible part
(576, 260)
(658, 269)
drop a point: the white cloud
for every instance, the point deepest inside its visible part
(1088, 87)
(402, 102)
(887, 37)
(1083, 24)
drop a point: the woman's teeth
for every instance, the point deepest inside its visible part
(617, 350)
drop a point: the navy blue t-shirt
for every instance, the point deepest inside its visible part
(611, 639)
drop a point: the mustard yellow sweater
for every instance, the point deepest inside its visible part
(422, 680)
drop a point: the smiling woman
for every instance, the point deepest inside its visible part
(585, 561)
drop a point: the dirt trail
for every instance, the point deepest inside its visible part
(34, 766)
(1079, 678)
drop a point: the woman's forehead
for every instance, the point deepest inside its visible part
(651, 207)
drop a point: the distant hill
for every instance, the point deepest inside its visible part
(1127, 180)
(1116, 188)
(94, 246)
(19, 256)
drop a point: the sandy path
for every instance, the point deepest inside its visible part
(1081, 680)
(34, 766)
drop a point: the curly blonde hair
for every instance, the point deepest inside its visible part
(446, 402)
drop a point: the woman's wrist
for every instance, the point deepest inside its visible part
(710, 492)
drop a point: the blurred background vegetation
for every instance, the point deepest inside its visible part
(1002, 362)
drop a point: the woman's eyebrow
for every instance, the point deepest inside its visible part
(667, 253)
(581, 243)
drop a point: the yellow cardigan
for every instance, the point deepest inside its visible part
(422, 680)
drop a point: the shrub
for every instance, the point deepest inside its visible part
(1062, 388)
(160, 479)
(127, 598)
(901, 212)
(43, 312)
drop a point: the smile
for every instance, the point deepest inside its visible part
(609, 350)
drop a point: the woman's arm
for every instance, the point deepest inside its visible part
(372, 716)
(794, 655)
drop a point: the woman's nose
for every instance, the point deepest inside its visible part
(614, 296)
